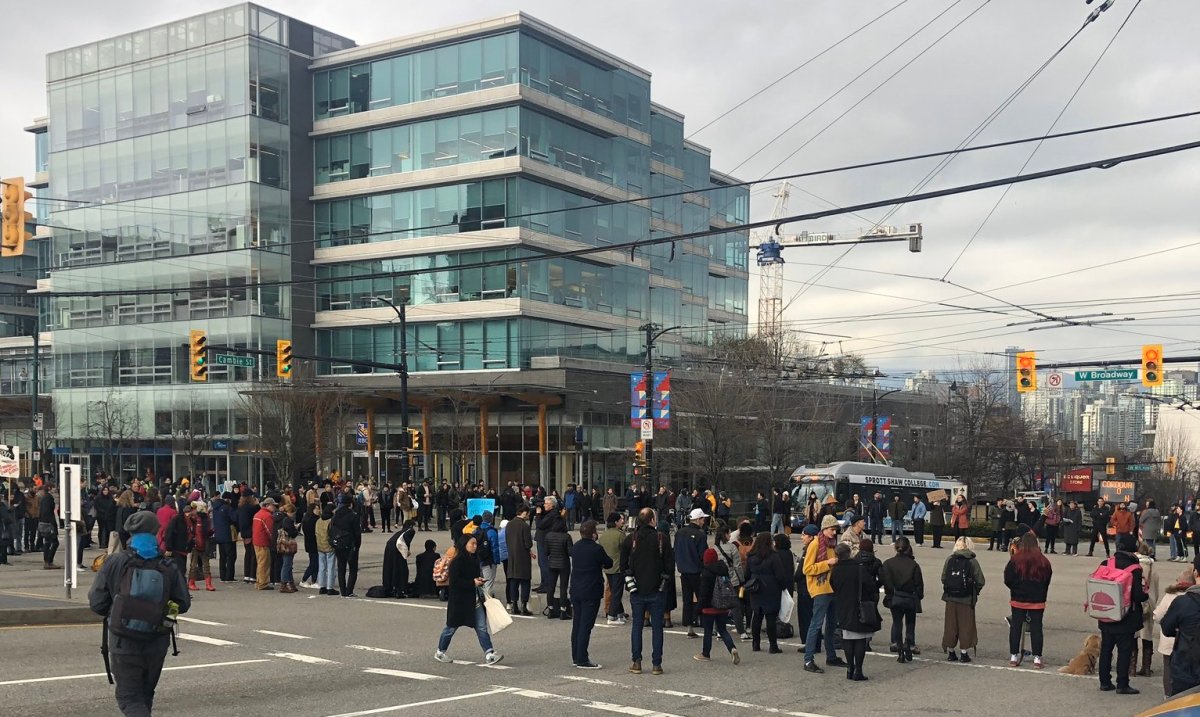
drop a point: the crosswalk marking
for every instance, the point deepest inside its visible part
(282, 634)
(205, 639)
(403, 673)
(302, 658)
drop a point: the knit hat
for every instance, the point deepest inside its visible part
(487, 516)
(710, 556)
(828, 522)
(811, 530)
(195, 496)
(142, 521)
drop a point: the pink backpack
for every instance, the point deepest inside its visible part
(1109, 590)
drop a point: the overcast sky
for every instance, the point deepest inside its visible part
(706, 56)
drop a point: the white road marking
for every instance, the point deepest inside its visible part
(442, 607)
(205, 639)
(283, 634)
(690, 695)
(468, 663)
(198, 621)
(380, 650)
(1048, 671)
(424, 703)
(302, 658)
(402, 673)
(62, 678)
(591, 704)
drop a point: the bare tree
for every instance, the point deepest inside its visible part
(1172, 441)
(289, 422)
(111, 422)
(190, 434)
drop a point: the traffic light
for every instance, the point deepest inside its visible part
(198, 355)
(416, 440)
(1026, 372)
(15, 219)
(639, 453)
(1152, 356)
(283, 358)
(1171, 465)
(1110, 466)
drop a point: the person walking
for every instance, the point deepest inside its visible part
(856, 594)
(690, 544)
(714, 618)
(519, 572)
(959, 517)
(1150, 523)
(962, 582)
(610, 540)
(1071, 526)
(764, 567)
(1027, 577)
(558, 558)
(464, 606)
(588, 563)
(646, 556)
(780, 508)
(1179, 612)
(904, 588)
(730, 554)
(487, 553)
(819, 560)
(1121, 634)
(896, 512)
(1100, 517)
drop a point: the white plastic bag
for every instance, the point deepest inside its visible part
(786, 605)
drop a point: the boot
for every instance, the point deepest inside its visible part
(1133, 659)
(552, 610)
(525, 609)
(208, 584)
(192, 585)
(1147, 661)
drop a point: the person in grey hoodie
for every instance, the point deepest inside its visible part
(1151, 523)
(960, 629)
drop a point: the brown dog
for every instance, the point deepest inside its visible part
(1085, 662)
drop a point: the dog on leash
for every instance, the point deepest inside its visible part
(1085, 662)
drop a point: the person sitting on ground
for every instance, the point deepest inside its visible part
(424, 585)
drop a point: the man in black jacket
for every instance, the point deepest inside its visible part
(690, 544)
(588, 561)
(1120, 634)
(346, 526)
(647, 557)
(1182, 622)
(1100, 517)
(876, 510)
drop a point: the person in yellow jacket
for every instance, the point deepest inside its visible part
(818, 561)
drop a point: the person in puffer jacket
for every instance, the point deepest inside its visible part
(558, 557)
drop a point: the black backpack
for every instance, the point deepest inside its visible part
(338, 538)
(960, 579)
(139, 607)
(484, 547)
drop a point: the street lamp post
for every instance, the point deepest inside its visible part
(875, 398)
(400, 314)
(648, 379)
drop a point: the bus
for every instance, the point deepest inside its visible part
(845, 479)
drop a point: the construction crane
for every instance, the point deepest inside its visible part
(770, 248)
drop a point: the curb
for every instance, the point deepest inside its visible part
(72, 615)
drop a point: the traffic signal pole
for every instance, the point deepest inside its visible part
(648, 379)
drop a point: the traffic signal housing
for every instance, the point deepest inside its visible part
(1110, 466)
(1152, 374)
(1026, 372)
(416, 440)
(198, 355)
(283, 358)
(15, 222)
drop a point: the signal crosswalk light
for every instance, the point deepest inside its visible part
(16, 221)
(1026, 372)
(1152, 356)
(417, 440)
(1110, 466)
(283, 358)
(198, 355)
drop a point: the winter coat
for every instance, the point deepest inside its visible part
(772, 577)
(896, 510)
(1151, 522)
(732, 557)
(309, 527)
(959, 517)
(1184, 616)
(263, 531)
(588, 561)
(648, 556)
(519, 542)
(976, 573)
(462, 591)
(902, 573)
(223, 520)
(1122, 521)
(690, 545)
(321, 535)
(816, 572)
(1072, 525)
(610, 540)
(708, 580)
(558, 550)
(347, 521)
(1023, 589)
(176, 539)
(855, 581)
(937, 515)
(245, 521)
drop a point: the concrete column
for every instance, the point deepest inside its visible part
(372, 471)
(425, 443)
(483, 444)
(543, 443)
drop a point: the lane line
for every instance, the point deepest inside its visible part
(380, 650)
(590, 704)
(424, 703)
(406, 603)
(205, 639)
(198, 621)
(468, 663)
(403, 673)
(63, 678)
(302, 658)
(283, 634)
(691, 695)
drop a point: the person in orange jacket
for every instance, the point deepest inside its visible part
(959, 518)
(1122, 520)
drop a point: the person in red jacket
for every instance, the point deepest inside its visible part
(261, 537)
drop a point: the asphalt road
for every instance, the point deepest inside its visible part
(250, 653)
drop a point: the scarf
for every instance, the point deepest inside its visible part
(145, 545)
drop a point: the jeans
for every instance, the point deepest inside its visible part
(481, 631)
(50, 546)
(1124, 646)
(543, 565)
(776, 523)
(714, 624)
(823, 619)
(325, 570)
(345, 586)
(310, 572)
(616, 588)
(904, 621)
(489, 579)
(285, 570)
(1035, 632)
(689, 593)
(640, 604)
(226, 561)
(897, 528)
(581, 629)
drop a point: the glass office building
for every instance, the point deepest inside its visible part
(199, 167)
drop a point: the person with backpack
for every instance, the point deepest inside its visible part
(1118, 628)
(647, 562)
(464, 607)
(904, 588)
(588, 562)
(716, 598)
(488, 538)
(1027, 576)
(1180, 640)
(138, 593)
(962, 582)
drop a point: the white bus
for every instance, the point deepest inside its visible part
(845, 479)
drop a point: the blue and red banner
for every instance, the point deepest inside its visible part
(660, 403)
(882, 437)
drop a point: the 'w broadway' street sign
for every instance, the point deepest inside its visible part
(1114, 374)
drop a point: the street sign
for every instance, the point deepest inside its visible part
(38, 421)
(1138, 468)
(235, 360)
(361, 435)
(647, 429)
(1112, 374)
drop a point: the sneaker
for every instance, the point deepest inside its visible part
(587, 666)
(701, 658)
(1128, 691)
(613, 621)
(952, 656)
(350, 595)
(441, 656)
(737, 659)
(1037, 662)
(635, 668)
(656, 670)
(492, 657)
(745, 637)
(835, 662)
(812, 667)
(1014, 660)
(692, 635)
(964, 657)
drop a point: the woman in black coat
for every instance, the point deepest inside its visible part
(395, 561)
(464, 609)
(856, 595)
(558, 558)
(903, 590)
(764, 566)
(309, 527)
